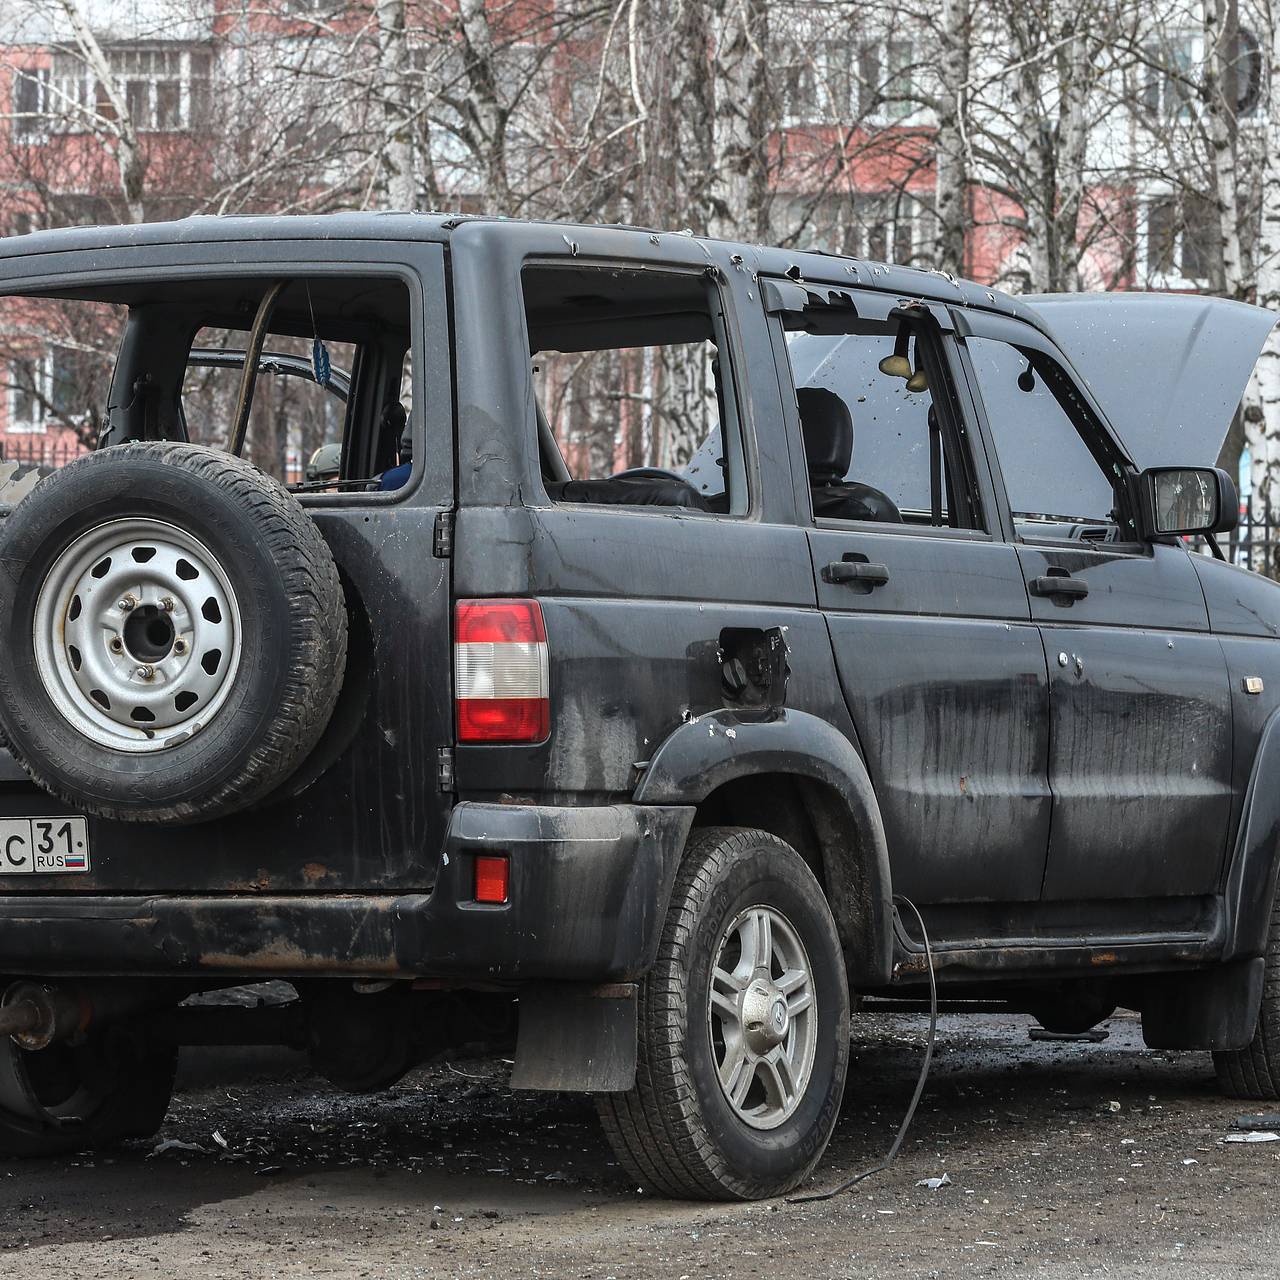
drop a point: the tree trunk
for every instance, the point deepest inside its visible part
(738, 193)
(484, 106)
(952, 173)
(1075, 86)
(1262, 430)
(1220, 126)
(397, 185)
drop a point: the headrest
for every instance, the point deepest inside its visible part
(828, 434)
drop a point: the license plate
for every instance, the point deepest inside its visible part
(43, 846)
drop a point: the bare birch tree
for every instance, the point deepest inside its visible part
(952, 169)
(743, 117)
(1263, 429)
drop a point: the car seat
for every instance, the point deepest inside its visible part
(827, 426)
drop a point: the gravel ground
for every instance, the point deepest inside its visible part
(1063, 1159)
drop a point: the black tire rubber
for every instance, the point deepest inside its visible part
(675, 1131)
(293, 625)
(132, 1079)
(1254, 1071)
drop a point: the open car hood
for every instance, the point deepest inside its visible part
(1168, 369)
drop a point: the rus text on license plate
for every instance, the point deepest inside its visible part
(43, 846)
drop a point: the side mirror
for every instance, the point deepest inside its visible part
(1178, 501)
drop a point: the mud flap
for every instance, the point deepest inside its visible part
(1209, 1009)
(576, 1038)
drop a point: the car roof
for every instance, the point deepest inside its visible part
(914, 282)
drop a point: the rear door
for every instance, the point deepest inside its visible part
(367, 811)
(940, 665)
(1140, 739)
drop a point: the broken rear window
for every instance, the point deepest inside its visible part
(306, 376)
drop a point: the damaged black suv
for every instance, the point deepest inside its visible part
(593, 636)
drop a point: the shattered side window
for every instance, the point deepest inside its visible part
(890, 445)
(1050, 473)
(883, 437)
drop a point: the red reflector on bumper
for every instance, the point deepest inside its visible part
(491, 877)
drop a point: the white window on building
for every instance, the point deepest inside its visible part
(884, 226)
(41, 391)
(30, 382)
(842, 82)
(894, 227)
(887, 79)
(30, 104)
(164, 88)
(1177, 239)
(1172, 75)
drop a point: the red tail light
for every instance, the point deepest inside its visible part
(501, 685)
(492, 873)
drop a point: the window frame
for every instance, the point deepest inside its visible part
(1020, 335)
(418, 265)
(728, 348)
(958, 426)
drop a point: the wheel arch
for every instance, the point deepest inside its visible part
(797, 777)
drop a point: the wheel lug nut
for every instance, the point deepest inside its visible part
(146, 672)
(116, 645)
(127, 604)
(167, 604)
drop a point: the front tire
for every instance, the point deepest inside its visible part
(743, 1028)
(1254, 1071)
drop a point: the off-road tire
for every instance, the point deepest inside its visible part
(1254, 1071)
(134, 1076)
(292, 633)
(675, 1131)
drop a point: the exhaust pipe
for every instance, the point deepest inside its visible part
(18, 1018)
(36, 1015)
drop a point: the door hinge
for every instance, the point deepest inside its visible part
(442, 542)
(444, 768)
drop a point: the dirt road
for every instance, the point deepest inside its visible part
(450, 1174)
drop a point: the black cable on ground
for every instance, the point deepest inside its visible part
(815, 1196)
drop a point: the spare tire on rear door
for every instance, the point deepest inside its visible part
(174, 633)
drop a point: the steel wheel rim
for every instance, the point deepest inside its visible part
(762, 1017)
(137, 635)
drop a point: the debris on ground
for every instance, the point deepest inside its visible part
(1270, 1121)
(934, 1183)
(173, 1144)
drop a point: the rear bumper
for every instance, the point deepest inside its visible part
(588, 892)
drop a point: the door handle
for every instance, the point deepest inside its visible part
(1060, 584)
(872, 575)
